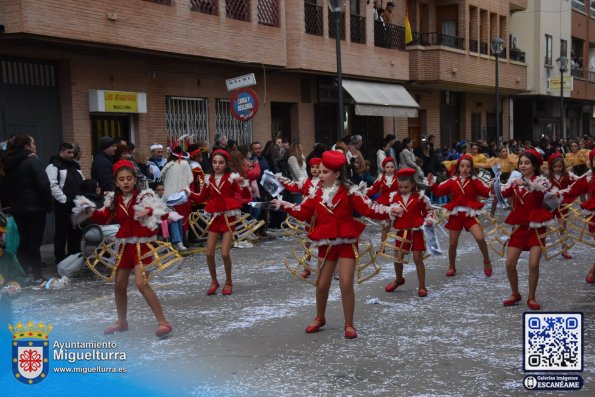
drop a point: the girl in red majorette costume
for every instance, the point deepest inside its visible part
(529, 219)
(139, 214)
(413, 211)
(305, 187)
(333, 229)
(560, 179)
(385, 184)
(464, 208)
(585, 185)
(226, 193)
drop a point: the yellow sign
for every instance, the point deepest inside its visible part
(119, 101)
(554, 84)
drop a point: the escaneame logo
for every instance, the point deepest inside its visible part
(30, 351)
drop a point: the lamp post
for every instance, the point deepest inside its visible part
(563, 66)
(336, 8)
(497, 47)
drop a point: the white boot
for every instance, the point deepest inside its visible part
(179, 246)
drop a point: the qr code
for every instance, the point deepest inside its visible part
(553, 341)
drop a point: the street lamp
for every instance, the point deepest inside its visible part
(563, 66)
(336, 8)
(497, 47)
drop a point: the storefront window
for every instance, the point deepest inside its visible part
(239, 131)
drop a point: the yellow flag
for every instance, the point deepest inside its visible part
(408, 34)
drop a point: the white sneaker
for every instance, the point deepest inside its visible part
(243, 244)
(179, 246)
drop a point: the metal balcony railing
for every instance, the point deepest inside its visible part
(473, 45)
(577, 72)
(387, 35)
(592, 12)
(548, 60)
(483, 48)
(164, 2)
(437, 38)
(579, 5)
(332, 27)
(205, 6)
(313, 19)
(517, 55)
(503, 54)
(358, 29)
(591, 75)
(268, 12)
(238, 9)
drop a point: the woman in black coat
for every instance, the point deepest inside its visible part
(26, 190)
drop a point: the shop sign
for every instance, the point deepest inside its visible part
(244, 104)
(117, 101)
(554, 84)
(240, 82)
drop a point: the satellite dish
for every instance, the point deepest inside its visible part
(515, 42)
(592, 63)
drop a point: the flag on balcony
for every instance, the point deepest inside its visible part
(408, 34)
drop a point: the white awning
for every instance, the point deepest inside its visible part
(381, 99)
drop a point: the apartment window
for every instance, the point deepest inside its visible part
(268, 12)
(238, 9)
(563, 48)
(187, 116)
(548, 50)
(239, 131)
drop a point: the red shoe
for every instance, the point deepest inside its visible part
(512, 300)
(226, 289)
(566, 255)
(451, 272)
(487, 270)
(163, 329)
(310, 329)
(350, 334)
(533, 305)
(422, 292)
(119, 326)
(305, 273)
(591, 277)
(390, 287)
(213, 289)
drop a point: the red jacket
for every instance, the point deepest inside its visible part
(333, 223)
(527, 202)
(227, 195)
(463, 193)
(583, 185)
(302, 186)
(382, 185)
(563, 183)
(415, 210)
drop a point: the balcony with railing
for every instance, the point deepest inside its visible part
(484, 48)
(205, 6)
(517, 55)
(238, 9)
(313, 19)
(438, 39)
(390, 36)
(579, 5)
(577, 73)
(358, 28)
(473, 45)
(592, 75)
(332, 25)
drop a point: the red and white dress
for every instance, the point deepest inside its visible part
(225, 196)
(464, 206)
(528, 216)
(585, 185)
(385, 185)
(329, 211)
(417, 209)
(562, 182)
(303, 186)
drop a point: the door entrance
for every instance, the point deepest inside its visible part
(109, 125)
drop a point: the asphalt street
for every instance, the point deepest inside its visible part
(457, 341)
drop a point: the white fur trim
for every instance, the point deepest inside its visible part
(208, 179)
(540, 184)
(147, 199)
(537, 225)
(469, 211)
(359, 189)
(392, 195)
(328, 193)
(81, 203)
(108, 199)
(336, 241)
(233, 176)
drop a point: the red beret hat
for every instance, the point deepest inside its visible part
(464, 157)
(122, 163)
(221, 153)
(405, 172)
(535, 154)
(333, 160)
(554, 156)
(388, 159)
(314, 161)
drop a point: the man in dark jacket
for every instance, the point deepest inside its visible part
(27, 193)
(101, 169)
(65, 180)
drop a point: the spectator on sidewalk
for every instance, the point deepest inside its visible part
(156, 163)
(65, 179)
(101, 169)
(27, 193)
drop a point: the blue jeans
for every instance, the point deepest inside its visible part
(175, 231)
